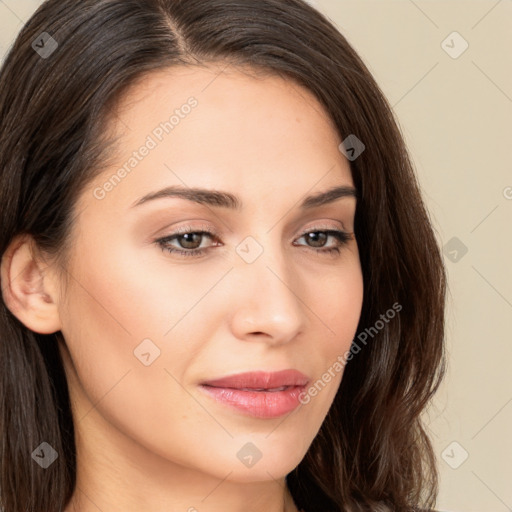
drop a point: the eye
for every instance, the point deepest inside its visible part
(190, 241)
(319, 237)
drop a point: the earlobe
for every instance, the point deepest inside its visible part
(28, 289)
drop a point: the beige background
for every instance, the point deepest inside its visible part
(455, 112)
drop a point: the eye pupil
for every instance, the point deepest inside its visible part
(316, 236)
(188, 236)
(190, 241)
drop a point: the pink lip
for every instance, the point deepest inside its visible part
(264, 403)
(261, 380)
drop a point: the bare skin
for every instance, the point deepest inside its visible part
(148, 438)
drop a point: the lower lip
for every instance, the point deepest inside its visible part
(260, 404)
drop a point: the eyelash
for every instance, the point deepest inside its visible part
(342, 237)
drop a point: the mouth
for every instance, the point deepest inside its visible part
(266, 390)
(260, 381)
(259, 394)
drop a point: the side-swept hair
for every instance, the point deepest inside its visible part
(372, 451)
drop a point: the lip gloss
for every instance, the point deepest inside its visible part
(260, 404)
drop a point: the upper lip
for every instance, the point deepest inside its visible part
(260, 380)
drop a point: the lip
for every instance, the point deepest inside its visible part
(260, 380)
(257, 394)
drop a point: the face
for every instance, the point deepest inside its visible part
(264, 280)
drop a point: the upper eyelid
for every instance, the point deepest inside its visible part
(193, 229)
(215, 237)
(209, 230)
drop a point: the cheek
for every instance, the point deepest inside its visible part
(128, 309)
(136, 294)
(338, 304)
(337, 301)
(104, 322)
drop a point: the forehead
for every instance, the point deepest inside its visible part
(239, 100)
(223, 128)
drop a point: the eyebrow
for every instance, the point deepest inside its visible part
(220, 199)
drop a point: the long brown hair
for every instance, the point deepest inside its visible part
(372, 451)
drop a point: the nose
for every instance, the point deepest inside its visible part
(266, 302)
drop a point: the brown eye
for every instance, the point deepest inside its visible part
(316, 239)
(189, 242)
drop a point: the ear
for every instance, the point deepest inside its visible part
(29, 287)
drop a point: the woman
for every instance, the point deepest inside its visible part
(220, 286)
